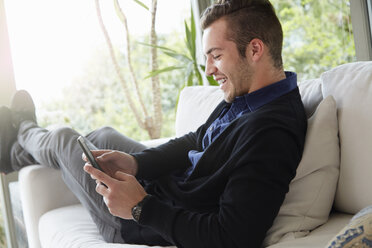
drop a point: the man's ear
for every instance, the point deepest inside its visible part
(255, 49)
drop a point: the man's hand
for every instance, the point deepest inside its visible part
(113, 161)
(123, 191)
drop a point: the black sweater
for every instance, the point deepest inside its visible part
(236, 190)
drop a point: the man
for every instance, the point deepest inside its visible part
(221, 186)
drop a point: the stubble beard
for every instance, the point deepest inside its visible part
(245, 73)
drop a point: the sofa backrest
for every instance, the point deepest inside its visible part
(195, 104)
(351, 86)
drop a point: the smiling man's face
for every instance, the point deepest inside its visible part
(228, 68)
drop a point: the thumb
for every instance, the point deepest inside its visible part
(105, 156)
(98, 153)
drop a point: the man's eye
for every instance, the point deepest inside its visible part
(216, 57)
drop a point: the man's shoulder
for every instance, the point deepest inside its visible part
(285, 112)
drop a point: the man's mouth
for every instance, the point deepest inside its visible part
(221, 81)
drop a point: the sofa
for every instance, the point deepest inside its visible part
(332, 184)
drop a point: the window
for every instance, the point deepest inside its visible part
(317, 35)
(61, 57)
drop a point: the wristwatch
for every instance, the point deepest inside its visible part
(137, 209)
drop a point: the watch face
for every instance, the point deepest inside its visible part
(136, 212)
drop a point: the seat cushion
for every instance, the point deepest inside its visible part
(320, 236)
(72, 226)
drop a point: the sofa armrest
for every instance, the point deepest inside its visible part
(42, 189)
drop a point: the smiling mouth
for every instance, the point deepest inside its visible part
(221, 81)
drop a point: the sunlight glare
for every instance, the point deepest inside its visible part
(52, 39)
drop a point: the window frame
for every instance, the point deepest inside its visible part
(7, 89)
(361, 19)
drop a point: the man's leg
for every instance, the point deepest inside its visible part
(109, 138)
(21, 158)
(59, 149)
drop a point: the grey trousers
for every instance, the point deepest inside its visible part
(59, 149)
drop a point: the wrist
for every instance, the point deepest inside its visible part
(137, 209)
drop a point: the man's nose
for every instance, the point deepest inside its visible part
(210, 68)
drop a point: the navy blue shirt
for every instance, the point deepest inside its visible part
(241, 105)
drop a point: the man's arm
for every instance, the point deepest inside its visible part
(169, 157)
(154, 162)
(248, 206)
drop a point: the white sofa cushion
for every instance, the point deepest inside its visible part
(76, 229)
(311, 94)
(311, 192)
(351, 85)
(42, 189)
(72, 226)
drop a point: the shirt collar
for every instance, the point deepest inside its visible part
(258, 98)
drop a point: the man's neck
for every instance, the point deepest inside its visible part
(267, 77)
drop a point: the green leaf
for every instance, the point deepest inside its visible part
(188, 39)
(178, 56)
(141, 4)
(189, 74)
(189, 79)
(198, 75)
(166, 69)
(212, 81)
(160, 47)
(169, 52)
(193, 34)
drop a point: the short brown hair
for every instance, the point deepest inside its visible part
(248, 19)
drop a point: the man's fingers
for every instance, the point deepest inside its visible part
(102, 190)
(121, 176)
(95, 153)
(99, 175)
(88, 164)
(109, 156)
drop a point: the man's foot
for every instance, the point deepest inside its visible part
(8, 135)
(23, 108)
